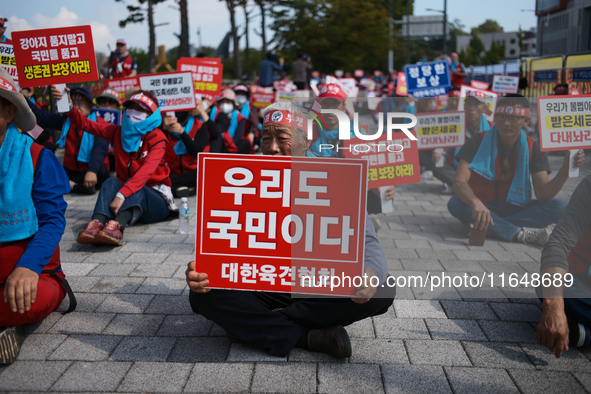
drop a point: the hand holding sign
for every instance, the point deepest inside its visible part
(575, 159)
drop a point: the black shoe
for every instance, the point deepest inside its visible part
(10, 344)
(578, 335)
(333, 340)
(184, 191)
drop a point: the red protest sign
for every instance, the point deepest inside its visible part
(121, 85)
(391, 162)
(401, 89)
(263, 223)
(54, 56)
(262, 100)
(206, 72)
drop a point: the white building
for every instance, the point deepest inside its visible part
(509, 38)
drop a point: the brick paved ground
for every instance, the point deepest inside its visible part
(134, 330)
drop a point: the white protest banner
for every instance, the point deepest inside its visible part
(337, 81)
(479, 84)
(174, 91)
(489, 97)
(7, 61)
(441, 130)
(565, 122)
(507, 84)
(281, 95)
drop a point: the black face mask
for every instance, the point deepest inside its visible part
(182, 116)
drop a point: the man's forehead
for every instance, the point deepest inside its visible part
(276, 129)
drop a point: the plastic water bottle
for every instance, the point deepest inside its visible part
(184, 214)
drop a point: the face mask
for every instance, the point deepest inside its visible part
(135, 116)
(227, 108)
(205, 105)
(241, 99)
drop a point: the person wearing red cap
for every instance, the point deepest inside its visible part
(120, 63)
(141, 190)
(32, 212)
(108, 99)
(236, 140)
(492, 182)
(3, 37)
(189, 133)
(85, 157)
(249, 111)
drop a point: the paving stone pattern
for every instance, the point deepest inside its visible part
(134, 330)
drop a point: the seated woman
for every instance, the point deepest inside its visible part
(189, 133)
(142, 188)
(236, 139)
(32, 208)
(84, 156)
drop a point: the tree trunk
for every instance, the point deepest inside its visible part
(263, 36)
(152, 29)
(184, 49)
(246, 18)
(237, 65)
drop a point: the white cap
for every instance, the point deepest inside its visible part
(183, 199)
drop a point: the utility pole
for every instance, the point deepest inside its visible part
(407, 31)
(390, 38)
(445, 27)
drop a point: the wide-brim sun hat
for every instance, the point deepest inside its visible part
(24, 119)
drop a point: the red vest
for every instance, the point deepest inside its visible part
(72, 148)
(127, 164)
(498, 189)
(125, 65)
(11, 252)
(228, 140)
(455, 79)
(187, 162)
(579, 259)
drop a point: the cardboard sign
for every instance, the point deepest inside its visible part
(489, 97)
(265, 222)
(505, 84)
(565, 122)
(441, 130)
(174, 91)
(54, 56)
(479, 84)
(390, 162)
(428, 79)
(121, 85)
(262, 100)
(401, 89)
(207, 73)
(112, 116)
(7, 60)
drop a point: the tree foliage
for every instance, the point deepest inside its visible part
(490, 26)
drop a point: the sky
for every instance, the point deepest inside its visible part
(212, 18)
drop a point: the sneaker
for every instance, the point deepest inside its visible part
(111, 234)
(88, 235)
(447, 190)
(578, 335)
(10, 344)
(538, 236)
(427, 175)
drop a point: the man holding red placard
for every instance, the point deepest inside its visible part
(492, 182)
(277, 322)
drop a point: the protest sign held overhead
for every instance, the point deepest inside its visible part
(55, 56)
(441, 130)
(174, 91)
(121, 85)
(427, 79)
(262, 99)
(312, 224)
(206, 73)
(7, 60)
(565, 122)
(507, 84)
(489, 97)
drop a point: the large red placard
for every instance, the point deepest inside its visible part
(207, 73)
(54, 56)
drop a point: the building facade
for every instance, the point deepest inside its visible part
(563, 27)
(508, 38)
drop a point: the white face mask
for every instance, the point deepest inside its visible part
(241, 99)
(205, 105)
(227, 108)
(135, 116)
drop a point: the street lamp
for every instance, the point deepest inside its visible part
(444, 12)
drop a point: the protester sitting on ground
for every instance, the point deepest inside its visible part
(236, 140)
(120, 63)
(492, 181)
(108, 99)
(85, 159)
(268, 67)
(277, 322)
(32, 185)
(141, 190)
(566, 317)
(189, 133)
(476, 122)
(250, 112)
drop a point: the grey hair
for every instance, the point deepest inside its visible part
(294, 109)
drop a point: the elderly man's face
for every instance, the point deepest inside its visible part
(279, 141)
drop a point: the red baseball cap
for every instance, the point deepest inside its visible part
(121, 41)
(143, 101)
(334, 91)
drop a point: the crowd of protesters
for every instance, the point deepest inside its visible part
(139, 166)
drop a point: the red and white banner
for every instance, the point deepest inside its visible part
(265, 223)
(441, 130)
(262, 100)
(54, 56)
(489, 97)
(207, 73)
(390, 162)
(174, 91)
(479, 84)
(506, 84)
(565, 122)
(121, 85)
